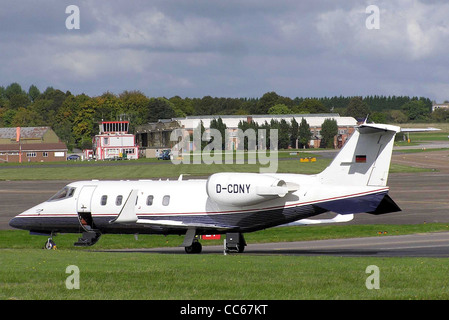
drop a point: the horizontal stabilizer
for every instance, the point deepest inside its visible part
(368, 128)
(419, 129)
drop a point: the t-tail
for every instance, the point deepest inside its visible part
(363, 163)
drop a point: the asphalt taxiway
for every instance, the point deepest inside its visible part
(414, 245)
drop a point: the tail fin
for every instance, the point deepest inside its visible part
(365, 159)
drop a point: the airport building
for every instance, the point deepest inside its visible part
(114, 141)
(31, 144)
(153, 137)
(436, 106)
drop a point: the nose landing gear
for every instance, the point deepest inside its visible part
(50, 244)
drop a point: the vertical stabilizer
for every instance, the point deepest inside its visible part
(365, 158)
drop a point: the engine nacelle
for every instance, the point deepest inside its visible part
(244, 189)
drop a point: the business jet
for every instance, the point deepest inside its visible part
(226, 203)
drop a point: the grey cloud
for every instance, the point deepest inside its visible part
(228, 48)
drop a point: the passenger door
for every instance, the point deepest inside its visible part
(84, 207)
(85, 199)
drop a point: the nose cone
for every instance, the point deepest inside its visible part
(17, 222)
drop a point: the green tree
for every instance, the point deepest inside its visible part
(357, 108)
(416, 110)
(267, 101)
(284, 134)
(84, 124)
(202, 144)
(220, 126)
(398, 116)
(378, 117)
(182, 107)
(294, 133)
(304, 134)
(33, 93)
(12, 90)
(135, 105)
(440, 115)
(26, 117)
(312, 106)
(160, 108)
(279, 109)
(329, 129)
(65, 118)
(245, 125)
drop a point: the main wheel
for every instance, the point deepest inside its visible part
(196, 247)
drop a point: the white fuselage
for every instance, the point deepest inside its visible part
(186, 201)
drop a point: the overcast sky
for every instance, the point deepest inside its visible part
(228, 48)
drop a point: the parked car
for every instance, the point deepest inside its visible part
(165, 154)
(73, 157)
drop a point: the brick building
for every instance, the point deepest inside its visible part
(31, 144)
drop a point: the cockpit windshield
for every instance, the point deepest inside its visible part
(64, 193)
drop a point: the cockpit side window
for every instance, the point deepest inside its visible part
(64, 193)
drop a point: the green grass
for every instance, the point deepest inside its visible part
(39, 274)
(30, 273)
(143, 170)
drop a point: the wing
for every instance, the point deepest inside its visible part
(181, 224)
(339, 218)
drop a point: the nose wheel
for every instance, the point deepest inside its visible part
(50, 244)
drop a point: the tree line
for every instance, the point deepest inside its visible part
(75, 118)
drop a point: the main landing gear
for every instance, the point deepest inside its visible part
(234, 243)
(196, 247)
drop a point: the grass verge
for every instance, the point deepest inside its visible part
(40, 274)
(29, 273)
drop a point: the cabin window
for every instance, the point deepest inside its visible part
(104, 200)
(118, 200)
(166, 200)
(150, 200)
(64, 193)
